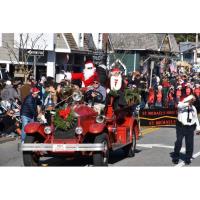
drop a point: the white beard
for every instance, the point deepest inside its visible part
(88, 73)
(115, 82)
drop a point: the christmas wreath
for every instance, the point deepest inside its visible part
(64, 118)
(114, 93)
(132, 96)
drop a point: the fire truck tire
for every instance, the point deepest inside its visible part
(129, 150)
(101, 158)
(30, 158)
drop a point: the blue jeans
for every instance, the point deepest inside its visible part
(25, 121)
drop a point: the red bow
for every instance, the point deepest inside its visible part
(65, 113)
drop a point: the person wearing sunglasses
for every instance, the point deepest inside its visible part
(97, 95)
(187, 124)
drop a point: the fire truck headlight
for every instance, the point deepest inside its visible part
(47, 130)
(78, 130)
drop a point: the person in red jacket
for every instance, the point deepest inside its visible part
(151, 98)
(159, 97)
(87, 77)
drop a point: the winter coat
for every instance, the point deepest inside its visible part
(29, 107)
(25, 91)
(9, 93)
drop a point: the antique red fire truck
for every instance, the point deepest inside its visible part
(89, 134)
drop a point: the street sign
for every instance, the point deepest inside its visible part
(36, 52)
(99, 57)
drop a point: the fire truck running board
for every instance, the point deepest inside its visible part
(62, 147)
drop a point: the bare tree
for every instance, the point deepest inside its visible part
(20, 51)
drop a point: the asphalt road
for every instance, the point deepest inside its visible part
(153, 149)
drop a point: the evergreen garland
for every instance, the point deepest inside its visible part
(132, 96)
(64, 124)
(114, 93)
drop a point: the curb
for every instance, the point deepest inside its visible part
(6, 139)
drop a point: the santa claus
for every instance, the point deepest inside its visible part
(115, 79)
(87, 76)
(116, 89)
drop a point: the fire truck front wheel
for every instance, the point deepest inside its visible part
(31, 158)
(101, 158)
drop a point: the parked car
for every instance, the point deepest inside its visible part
(91, 134)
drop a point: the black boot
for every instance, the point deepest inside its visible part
(187, 162)
(175, 161)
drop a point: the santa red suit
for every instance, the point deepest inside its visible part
(87, 76)
(117, 84)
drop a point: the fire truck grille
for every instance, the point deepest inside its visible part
(61, 134)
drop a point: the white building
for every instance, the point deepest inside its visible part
(60, 51)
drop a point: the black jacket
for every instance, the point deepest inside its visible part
(29, 107)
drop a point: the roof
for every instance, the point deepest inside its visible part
(143, 41)
(187, 46)
(88, 44)
(71, 41)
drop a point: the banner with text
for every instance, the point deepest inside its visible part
(158, 117)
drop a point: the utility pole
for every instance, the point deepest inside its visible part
(151, 74)
(34, 66)
(196, 48)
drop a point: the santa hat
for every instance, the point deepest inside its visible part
(89, 65)
(115, 70)
(35, 90)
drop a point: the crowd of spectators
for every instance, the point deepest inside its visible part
(165, 90)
